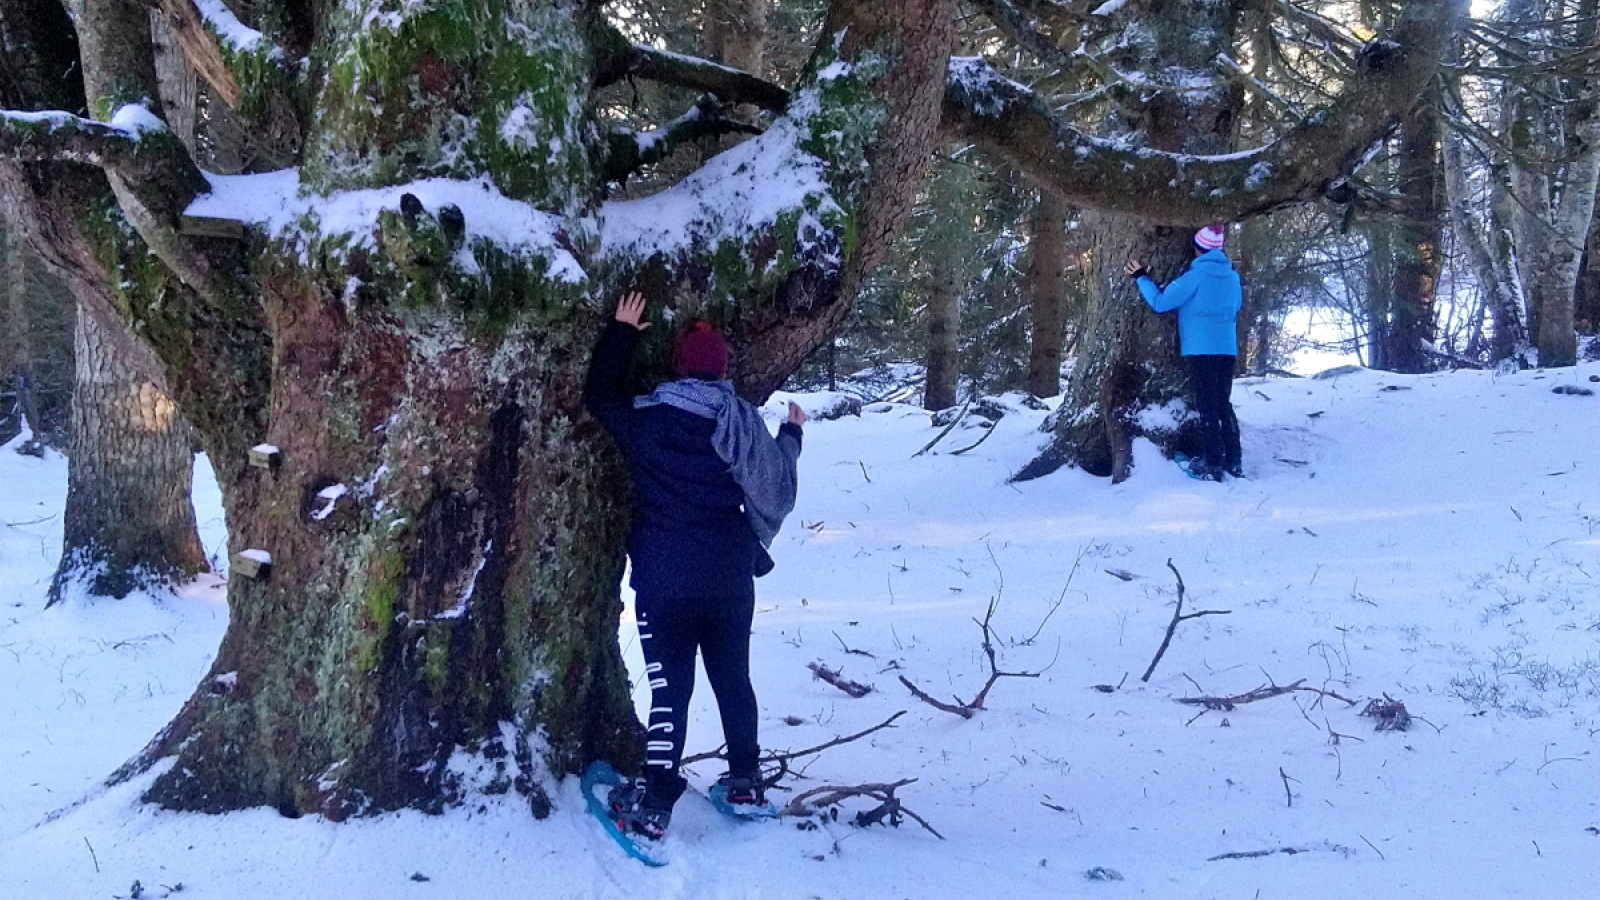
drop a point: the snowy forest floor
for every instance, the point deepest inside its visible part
(1430, 539)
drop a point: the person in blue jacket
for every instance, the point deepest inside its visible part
(1207, 297)
(711, 488)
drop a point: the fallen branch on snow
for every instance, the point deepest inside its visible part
(853, 688)
(889, 808)
(966, 709)
(783, 758)
(1177, 616)
(1253, 854)
(1261, 693)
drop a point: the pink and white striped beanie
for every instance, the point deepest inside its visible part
(1209, 237)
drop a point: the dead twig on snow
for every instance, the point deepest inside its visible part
(783, 758)
(796, 754)
(966, 709)
(889, 808)
(1253, 854)
(853, 688)
(1177, 616)
(849, 649)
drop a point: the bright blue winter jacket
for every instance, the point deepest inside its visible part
(1207, 299)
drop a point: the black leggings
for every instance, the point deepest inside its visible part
(670, 630)
(1213, 382)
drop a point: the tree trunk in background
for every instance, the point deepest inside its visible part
(1555, 165)
(1129, 360)
(18, 347)
(1047, 287)
(1382, 256)
(129, 522)
(1574, 208)
(736, 33)
(1496, 280)
(1586, 311)
(1414, 278)
(944, 335)
(946, 243)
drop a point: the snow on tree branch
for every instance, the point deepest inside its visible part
(1016, 124)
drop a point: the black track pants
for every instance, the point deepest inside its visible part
(1213, 383)
(671, 629)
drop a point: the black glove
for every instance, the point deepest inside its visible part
(1138, 272)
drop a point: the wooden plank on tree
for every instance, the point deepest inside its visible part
(208, 226)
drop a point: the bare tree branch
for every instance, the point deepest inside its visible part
(890, 808)
(966, 709)
(629, 60)
(1261, 693)
(55, 136)
(961, 709)
(1177, 616)
(631, 151)
(796, 754)
(1017, 125)
(853, 688)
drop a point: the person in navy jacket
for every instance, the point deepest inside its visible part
(711, 488)
(1207, 297)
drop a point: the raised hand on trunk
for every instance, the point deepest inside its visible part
(630, 309)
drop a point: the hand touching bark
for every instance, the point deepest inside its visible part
(630, 309)
(1134, 269)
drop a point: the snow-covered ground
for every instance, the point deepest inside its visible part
(1429, 539)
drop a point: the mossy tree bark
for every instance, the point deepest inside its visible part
(443, 521)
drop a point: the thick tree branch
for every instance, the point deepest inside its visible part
(728, 84)
(151, 172)
(1178, 189)
(55, 136)
(630, 151)
(1027, 28)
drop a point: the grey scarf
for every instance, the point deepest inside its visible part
(764, 467)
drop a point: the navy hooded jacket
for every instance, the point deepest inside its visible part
(690, 536)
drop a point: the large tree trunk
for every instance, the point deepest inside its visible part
(1557, 277)
(1129, 362)
(1496, 279)
(443, 520)
(128, 523)
(944, 336)
(1553, 168)
(1414, 276)
(1047, 288)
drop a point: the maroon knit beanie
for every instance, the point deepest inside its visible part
(702, 353)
